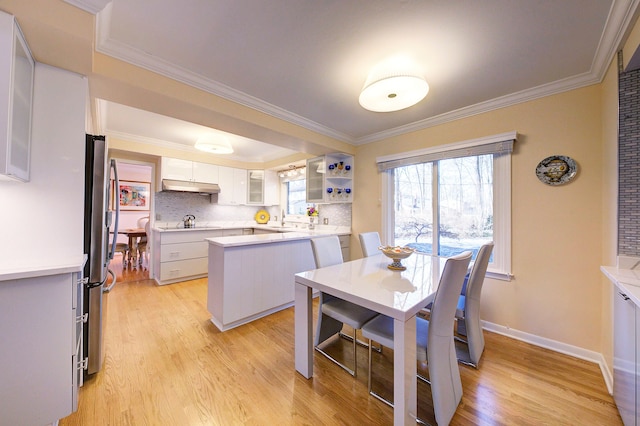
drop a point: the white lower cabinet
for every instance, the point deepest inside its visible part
(626, 357)
(40, 335)
(344, 246)
(252, 281)
(182, 255)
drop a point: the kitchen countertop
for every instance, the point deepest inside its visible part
(626, 276)
(251, 240)
(49, 267)
(274, 226)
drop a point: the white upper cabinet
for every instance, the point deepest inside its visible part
(16, 97)
(255, 194)
(330, 179)
(271, 188)
(176, 169)
(204, 172)
(191, 171)
(233, 186)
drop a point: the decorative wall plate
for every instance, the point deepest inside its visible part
(262, 217)
(556, 170)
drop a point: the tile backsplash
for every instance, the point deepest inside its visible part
(628, 164)
(173, 206)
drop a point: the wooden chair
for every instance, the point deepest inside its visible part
(142, 247)
(124, 249)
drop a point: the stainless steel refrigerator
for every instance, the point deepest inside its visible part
(98, 243)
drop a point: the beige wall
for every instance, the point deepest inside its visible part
(609, 203)
(556, 231)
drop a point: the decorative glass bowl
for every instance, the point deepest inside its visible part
(396, 254)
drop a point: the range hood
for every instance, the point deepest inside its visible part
(188, 186)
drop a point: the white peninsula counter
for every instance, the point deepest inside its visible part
(251, 276)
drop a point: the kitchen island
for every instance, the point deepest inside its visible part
(251, 276)
(180, 254)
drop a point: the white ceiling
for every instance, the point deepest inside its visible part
(306, 61)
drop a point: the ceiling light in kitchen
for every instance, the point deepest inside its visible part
(214, 145)
(393, 85)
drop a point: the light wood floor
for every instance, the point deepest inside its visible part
(167, 364)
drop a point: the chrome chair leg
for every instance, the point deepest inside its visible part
(360, 342)
(353, 372)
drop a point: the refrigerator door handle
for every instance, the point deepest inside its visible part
(116, 201)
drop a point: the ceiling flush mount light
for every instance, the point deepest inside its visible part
(392, 86)
(214, 145)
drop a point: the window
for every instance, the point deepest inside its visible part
(452, 198)
(296, 197)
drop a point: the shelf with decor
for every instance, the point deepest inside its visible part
(330, 179)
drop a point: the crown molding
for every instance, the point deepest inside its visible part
(91, 6)
(121, 51)
(482, 107)
(155, 143)
(620, 17)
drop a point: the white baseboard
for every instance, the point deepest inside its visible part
(556, 346)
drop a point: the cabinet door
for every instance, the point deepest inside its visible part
(239, 186)
(624, 356)
(255, 194)
(315, 180)
(16, 76)
(225, 180)
(176, 169)
(37, 331)
(207, 173)
(271, 188)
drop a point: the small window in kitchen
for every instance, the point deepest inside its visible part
(296, 197)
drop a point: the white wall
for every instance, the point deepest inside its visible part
(41, 221)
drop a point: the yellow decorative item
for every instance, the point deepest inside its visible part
(262, 217)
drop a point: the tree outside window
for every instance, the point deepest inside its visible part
(452, 196)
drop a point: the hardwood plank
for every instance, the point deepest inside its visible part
(167, 364)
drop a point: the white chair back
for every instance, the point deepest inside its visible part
(441, 354)
(369, 241)
(476, 277)
(469, 322)
(326, 251)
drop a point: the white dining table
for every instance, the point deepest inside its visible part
(369, 283)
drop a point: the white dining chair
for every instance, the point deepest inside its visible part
(333, 312)
(369, 241)
(434, 340)
(468, 311)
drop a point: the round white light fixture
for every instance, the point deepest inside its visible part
(392, 86)
(214, 145)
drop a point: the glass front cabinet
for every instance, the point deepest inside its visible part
(330, 179)
(16, 93)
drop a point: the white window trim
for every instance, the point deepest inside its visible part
(500, 268)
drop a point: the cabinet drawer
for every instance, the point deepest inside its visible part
(188, 236)
(181, 251)
(183, 268)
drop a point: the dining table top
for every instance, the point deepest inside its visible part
(370, 283)
(133, 232)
